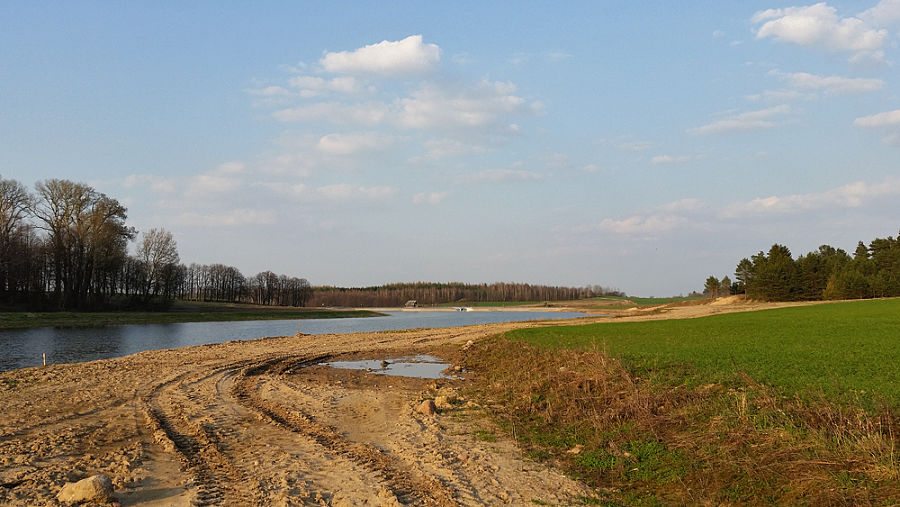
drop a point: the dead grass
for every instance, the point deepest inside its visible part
(641, 441)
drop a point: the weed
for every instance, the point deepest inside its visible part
(485, 436)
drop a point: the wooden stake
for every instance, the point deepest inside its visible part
(45, 358)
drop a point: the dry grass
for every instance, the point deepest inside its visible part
(640, 441)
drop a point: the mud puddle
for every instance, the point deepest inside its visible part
(418, 366)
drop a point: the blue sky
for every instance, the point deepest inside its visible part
(642, 146)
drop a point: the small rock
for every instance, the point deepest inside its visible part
(96, 489)
(468, 345)
(427, 407)
(443, 402)
(576, 450)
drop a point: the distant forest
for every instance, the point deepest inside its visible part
(66, 247)
(438, 293)
(829, 273)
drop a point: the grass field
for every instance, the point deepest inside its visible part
(181, 312)
(840, 349)
(792, 406)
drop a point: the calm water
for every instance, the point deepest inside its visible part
(23, 348)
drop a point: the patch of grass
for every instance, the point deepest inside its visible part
(846, 351)
(485, 436)
(663, 415)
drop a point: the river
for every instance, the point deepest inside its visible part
(24, 347)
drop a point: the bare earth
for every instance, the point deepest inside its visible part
(262, 422)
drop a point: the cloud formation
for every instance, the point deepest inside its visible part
(832, 85)
(386, 58)
(751, 120)
(888, 121)
(820, 26)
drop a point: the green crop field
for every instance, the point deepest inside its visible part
(846, 351)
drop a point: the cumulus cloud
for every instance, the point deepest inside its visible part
(820, 26)
(888, 122)
(853, 195)
(349, 144)
(751, 120)
(403, 57)
(430, 197)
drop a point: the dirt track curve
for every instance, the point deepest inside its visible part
(261, 423)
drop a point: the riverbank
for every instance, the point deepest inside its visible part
(180, 312)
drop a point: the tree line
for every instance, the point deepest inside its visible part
(65, 246)
(872, 271)
(426, 293)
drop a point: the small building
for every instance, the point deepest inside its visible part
(412, 303)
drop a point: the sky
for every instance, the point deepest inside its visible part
(642, 146)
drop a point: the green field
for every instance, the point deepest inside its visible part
(182, 312)
(842, 350)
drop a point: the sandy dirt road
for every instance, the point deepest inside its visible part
(262, 422)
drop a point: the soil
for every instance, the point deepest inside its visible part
(264, 422)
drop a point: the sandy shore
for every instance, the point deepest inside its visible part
(262, 422)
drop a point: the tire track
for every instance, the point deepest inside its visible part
(407, 485)
(184, 425)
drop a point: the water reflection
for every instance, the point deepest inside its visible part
(23, 348)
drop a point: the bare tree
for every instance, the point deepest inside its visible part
(15, 203)
(159, 254)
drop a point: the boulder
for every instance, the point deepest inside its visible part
(427, 407)
(96, 489)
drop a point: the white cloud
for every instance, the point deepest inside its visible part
(886, 13)
(487, 104)
(830, 84)
(403, 57)
(751, 120)
(592, 168)
(349, 192)
(889, 122)
(819, 26)
(670, 159)
(349, 144)
(886, 119)
(235, 217)
(503, 175)
(853, 195)
(430, 197)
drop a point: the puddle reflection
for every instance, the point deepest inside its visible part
(420, 366)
